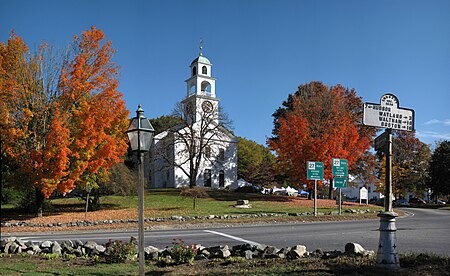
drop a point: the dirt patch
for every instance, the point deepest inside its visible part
(321, 203)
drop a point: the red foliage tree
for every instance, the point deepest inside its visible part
(319, 123)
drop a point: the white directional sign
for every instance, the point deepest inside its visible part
(388, 114)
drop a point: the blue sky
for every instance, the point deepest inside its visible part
(261, 51)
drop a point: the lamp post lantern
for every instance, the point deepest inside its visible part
(140, 135)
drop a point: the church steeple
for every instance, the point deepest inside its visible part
(201, 82)
(201, 90)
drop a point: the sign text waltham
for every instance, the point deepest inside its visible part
(388, 114)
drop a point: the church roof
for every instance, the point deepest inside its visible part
(201, 59)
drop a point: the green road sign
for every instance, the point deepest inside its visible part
(339, 167)
(314, 170)
(339, 182)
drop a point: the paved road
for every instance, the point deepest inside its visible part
(421, 230)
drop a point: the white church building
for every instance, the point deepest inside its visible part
(200, 142)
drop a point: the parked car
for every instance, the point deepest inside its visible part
(402, 202)
(438, 201)
(417, 201)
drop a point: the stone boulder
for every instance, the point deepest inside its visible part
(218, 251)
(270, 252)
(90, 248)
(353, 248)
(296, 252)
(151, 252)
(56, 248)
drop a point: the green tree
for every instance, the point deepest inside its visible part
(256, 163)
(439, 169)
(165, 122)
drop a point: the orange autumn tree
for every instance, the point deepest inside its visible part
(318, 123)
(28, 90)
(98, 114)
(76, 131)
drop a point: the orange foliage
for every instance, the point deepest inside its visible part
(69, 136)
(12, 60)
(319, 126)
(98, 117)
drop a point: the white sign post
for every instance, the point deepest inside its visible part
(389, 115)
(363, 194)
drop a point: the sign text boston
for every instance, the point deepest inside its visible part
(388, 114)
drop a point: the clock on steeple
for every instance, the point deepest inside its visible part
(201, 89)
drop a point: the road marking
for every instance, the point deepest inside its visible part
(231, 237)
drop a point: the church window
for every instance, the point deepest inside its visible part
(204, 70)
(221, 156)
(194, 71)
(221, 179)
(207, 178)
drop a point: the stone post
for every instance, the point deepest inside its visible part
(387, 255)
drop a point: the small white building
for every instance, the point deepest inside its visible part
(199, 142)
(352, 190)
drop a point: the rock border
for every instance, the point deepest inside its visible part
(13, 245)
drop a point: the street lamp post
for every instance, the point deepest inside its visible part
(140, 135)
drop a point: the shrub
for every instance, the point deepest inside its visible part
(69, 257)
(248, 189)
(183, 253)
(120, 252)
(11, 196)
(51, 256)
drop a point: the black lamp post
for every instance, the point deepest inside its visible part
(140, 134)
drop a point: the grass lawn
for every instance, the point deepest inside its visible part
(168, 202)
(412, 264)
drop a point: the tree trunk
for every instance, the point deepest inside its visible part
(191, 182)
(192, 178)
(39, 203)
(94, 203)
